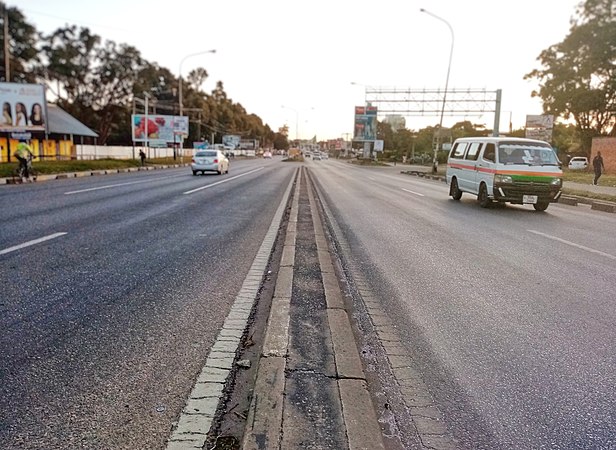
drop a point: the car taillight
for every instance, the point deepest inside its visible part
(215, 161)
(193, 160)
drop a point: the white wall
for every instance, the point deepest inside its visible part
(119, 152)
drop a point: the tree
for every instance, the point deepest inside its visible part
(578, 75)
(23, 54)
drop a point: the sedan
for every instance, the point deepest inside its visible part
(578, 162)
(209, 161)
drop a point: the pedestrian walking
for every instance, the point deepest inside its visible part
(597, 164)
(142, 156)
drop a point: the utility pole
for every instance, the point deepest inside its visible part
(7, 55)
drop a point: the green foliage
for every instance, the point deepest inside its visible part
(96, 82)
(578, 75)
(22, 43)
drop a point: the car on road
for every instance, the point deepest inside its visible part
(578, 163)
(267, 155)
(209, 161)
(317, 157)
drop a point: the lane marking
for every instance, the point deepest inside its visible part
(573, 244)
(29, 243)
(222, 181)
(413, 192)
(109, 186)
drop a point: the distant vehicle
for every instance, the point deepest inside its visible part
(267, 155)
(317, 157)
(209, 161)
(578, 162)
(514, 170)
(324, 156)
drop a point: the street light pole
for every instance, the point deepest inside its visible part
(440, 125)
(180, 73)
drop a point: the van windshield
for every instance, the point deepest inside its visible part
(530, 154)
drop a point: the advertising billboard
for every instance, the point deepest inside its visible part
(365, 123)
(540, 127)
(159, 128)
(231, 140)
(23, 107)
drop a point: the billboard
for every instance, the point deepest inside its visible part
(539, 127)
(159, 128)
(365, 123)
(231, 140)
(23, 107)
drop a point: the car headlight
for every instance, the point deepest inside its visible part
(556, 182)
(502, 179)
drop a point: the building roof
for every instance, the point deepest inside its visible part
(61, 122)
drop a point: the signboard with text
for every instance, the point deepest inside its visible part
(365, 123)
(23, 107)
(158, 128)
(540, 127)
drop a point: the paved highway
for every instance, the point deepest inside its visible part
(113, 291)
(507, 314)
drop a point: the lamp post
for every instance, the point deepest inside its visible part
(440, 125)
(180, 73)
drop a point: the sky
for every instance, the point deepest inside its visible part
(307, 63)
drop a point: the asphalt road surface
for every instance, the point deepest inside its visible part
(113, 291)
(507, 313)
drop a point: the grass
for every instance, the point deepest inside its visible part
(50, 167)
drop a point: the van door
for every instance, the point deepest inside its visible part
(486, 167)
(470, 161)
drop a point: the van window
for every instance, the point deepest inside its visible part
(489, 154)
(458, 150)
(473, 151)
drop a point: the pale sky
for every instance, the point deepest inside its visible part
(305, 54)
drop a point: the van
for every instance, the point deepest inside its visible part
(505, 169)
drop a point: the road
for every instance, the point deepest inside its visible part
(507, 314)
(107, 323)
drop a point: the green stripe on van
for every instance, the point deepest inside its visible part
(532, 179)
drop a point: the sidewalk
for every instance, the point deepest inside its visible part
(310, 389)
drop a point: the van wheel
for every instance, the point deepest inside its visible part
(454, 191)
(482, 197)
(541, 206)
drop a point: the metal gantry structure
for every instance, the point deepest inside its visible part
(409, 102)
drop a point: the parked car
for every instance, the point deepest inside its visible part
(578, 162)
(267, 155)
(209, 161)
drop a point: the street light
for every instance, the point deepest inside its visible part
(440, 125)
(180, 72)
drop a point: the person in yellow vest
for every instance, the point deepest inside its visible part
(24, 154)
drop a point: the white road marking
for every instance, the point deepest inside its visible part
(109, 186)
(222, 181)
(413, 192)
(29, 243)
(573, 244)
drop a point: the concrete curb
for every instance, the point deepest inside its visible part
(264, 425)
(88, 173)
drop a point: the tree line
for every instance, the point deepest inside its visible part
(101, 83)
(98, 81)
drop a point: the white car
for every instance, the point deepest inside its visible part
(209, 161)
(578, 162)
